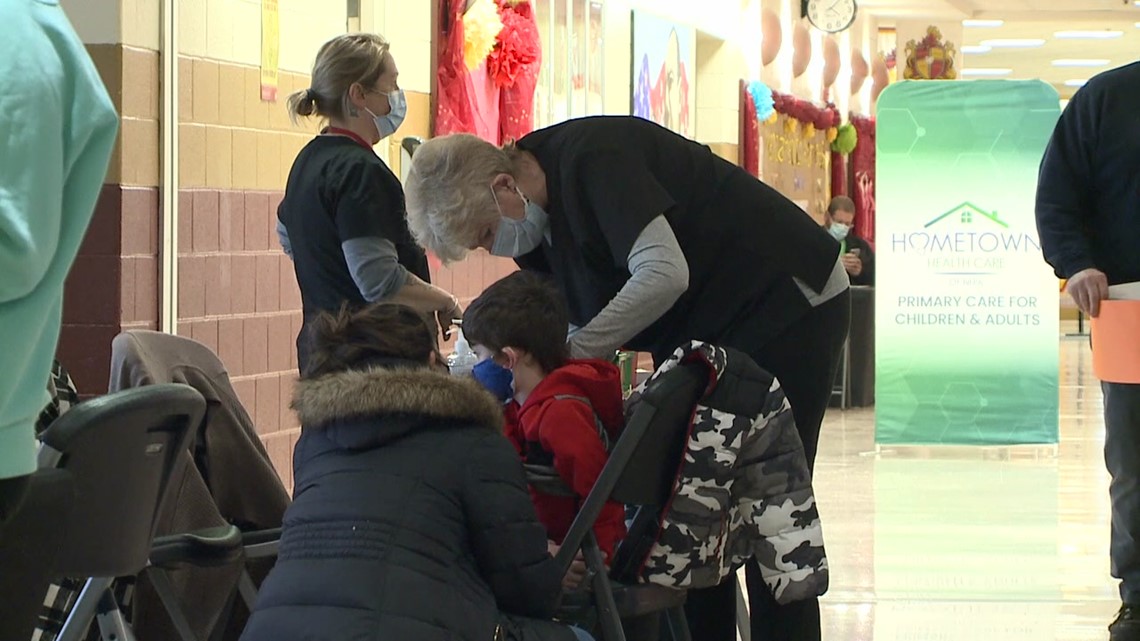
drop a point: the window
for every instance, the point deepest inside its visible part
(571, 83)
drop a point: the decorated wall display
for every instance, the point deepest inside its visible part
(787, 143)
(489, 56)
(664, 72)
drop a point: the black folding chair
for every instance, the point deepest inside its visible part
(28, 550)
(640, 471)
(122, 449)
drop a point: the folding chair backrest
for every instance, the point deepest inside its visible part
(668, 405)
(121, 450)
(645, 459)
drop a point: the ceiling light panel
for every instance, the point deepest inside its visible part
(1106, 34)
(1014, 43)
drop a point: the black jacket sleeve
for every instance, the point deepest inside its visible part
(508, 541)
(1065, 190)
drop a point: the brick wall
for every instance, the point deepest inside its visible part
(113, 285)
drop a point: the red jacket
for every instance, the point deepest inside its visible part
(557, 427)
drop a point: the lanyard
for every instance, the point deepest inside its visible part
(843, 247)
(337, 131)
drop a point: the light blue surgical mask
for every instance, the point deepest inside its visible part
(391, 121)
(839, 230)
(516, 238)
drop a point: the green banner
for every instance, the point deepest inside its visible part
(966, 313)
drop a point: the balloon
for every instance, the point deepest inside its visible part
(772, 36)
(831, 61)
(880, 77)
(859, 70)
(801, 50)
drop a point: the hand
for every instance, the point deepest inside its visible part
(446, 317)
(1088, 287)
(577, 572)
(853, 264)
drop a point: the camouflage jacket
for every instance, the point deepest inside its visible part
(743, 488)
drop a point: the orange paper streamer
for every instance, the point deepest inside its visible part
(1116, 341)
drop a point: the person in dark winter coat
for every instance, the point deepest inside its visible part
(411, 518)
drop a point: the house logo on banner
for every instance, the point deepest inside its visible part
(967, 245)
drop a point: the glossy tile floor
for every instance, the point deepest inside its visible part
(977, 544)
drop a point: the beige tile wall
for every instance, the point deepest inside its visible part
(137, 101)
(407, 25)
(141, 22)
(230, 138)
(231, 29)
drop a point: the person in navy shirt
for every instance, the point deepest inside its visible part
(1088, 217)
(342, 217)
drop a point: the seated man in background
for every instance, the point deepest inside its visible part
(858, 257)
(565, 412)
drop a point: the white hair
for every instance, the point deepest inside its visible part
(448, 193)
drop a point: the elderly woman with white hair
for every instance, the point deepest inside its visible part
(654, 241)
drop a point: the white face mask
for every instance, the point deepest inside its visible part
(516, 238)
(390, 122)
(839, 230)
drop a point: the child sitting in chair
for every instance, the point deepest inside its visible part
(564, 413)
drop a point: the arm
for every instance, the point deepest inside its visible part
(283, 238)
(1064, 188)
(867, 258)
(31, 176)
(569, 431)
(428, 299)
(659, 275)
(375, 267)
(369, 214)
(508, 541)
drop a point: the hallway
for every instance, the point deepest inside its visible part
(972, 544)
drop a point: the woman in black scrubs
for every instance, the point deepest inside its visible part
(342, 218)
(655, 241)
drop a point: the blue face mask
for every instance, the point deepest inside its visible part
(519, 237)
(839, 230)
(497, 379)
(391, 121)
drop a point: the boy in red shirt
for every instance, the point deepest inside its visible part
(564, 412)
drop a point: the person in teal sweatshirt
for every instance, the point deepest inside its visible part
(57, 129)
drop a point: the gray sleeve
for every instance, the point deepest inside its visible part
(283, 237)
(375, 267)
(659, 275)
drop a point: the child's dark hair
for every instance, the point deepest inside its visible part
(523, 310)
(356, 337)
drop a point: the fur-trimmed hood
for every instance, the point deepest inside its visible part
(349, 403)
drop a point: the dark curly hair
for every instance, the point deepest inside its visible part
(355, 337)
